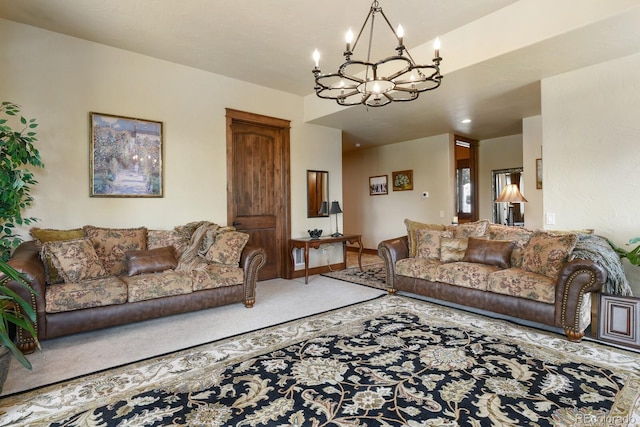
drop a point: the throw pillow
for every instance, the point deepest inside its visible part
(518, 235)
(76, 260)
(227, 248)
(428, 242)
(546, 252)
(412, 226)
(489, 252)
(112, 243)
(452, 249)
(151, 260)
(470, 229)
(43, 235)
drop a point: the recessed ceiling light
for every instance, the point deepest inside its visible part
(465, 121)
(358, 145)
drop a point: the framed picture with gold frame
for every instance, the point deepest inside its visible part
(538, 174)
(126, 157)
(402, 180)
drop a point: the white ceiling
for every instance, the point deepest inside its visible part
(269, 43)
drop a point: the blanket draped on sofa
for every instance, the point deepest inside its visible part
(598, 250)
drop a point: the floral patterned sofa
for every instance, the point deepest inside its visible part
(91, 277)
(507, 270)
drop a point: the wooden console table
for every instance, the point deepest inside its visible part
(308, 243)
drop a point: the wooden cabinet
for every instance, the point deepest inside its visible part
(619, 320)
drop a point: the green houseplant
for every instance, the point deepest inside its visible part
(16, 153)
(633, 255)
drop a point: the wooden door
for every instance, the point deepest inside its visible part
(258, 200)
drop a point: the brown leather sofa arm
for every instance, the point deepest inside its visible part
(576, 280)
(26, 260)
(391, 251)
(251, 261)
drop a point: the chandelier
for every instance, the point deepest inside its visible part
(394, 79)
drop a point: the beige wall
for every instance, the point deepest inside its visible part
(381, 217)
(591, 126)
(532, 150)
(496, 153)
(59, 80)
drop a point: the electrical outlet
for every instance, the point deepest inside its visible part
(324, 251)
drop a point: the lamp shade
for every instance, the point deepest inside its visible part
(511, 194)
(324, 209)
(335, 208)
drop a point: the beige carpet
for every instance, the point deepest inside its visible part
(277, 301)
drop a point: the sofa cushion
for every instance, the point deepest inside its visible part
(428, 242)
(466, 274)
(490, 252)
(420, 268)
(518, 235)
(412, 226)
(151, 260)
(524, 284)
(157, 285)
(452, 249)
(470, 229)
(75, 260)
(546, 252)
(86, 294)
(216, 276)
(227, 247)
(112, 243)
(44, 235)
(164, 238)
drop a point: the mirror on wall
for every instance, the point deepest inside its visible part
(317, 192)
(501, 211)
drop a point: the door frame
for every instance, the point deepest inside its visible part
(283, 216)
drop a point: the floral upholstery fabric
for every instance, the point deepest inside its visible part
(452, 249)
(227, 248)
(163, 238)
(412, 226)
(546, 252)
(216, 276)
(428, 242)
(524, 284)
(421, 268)
(75, 260)
(470, 229)
(466, 274)
(157, 285)
(87, 294)
(519, 236)
(112, 243)
(44, 235)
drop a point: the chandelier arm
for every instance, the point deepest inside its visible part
(364, 24)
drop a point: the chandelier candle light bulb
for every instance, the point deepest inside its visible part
(316, 57)
(349, 39)
(436, 46)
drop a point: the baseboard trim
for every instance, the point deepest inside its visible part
(319, 270)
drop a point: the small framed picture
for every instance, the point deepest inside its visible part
(126, 157)
(538, 174)
(378, 185)
(402, 180)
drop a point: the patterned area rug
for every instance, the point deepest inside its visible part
(372, 275)
(393, 361)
